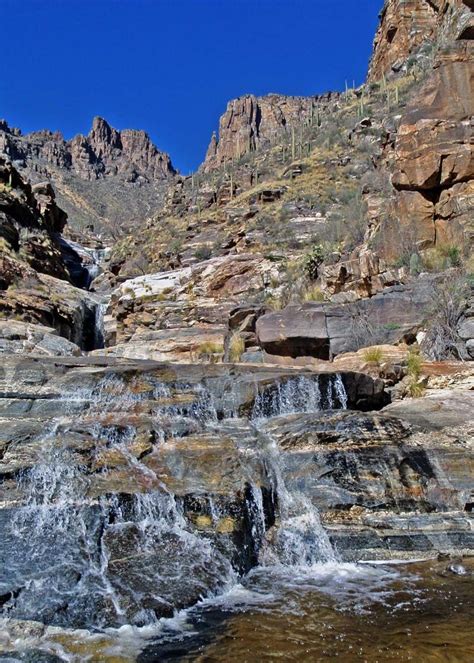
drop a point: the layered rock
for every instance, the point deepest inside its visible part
(104, 152)
(29, 223)
(17, 337)
(34, 277)
(434, 164)
(135, 474)
(182, 315)
(404, 26)
(362, 275)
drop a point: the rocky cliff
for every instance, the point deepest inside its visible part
(41, 311)
(430, 157)
(106, 178)
(413, 28)
(252, 123)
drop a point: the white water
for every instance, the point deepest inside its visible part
(300, 394)
(99, 332)
(60, 514)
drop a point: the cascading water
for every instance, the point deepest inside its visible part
(99, 334)
(103, 538)
(299, 538)
(300, 394)
(84, 263)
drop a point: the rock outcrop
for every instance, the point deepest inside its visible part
(182, 315)
(434, 163)
(326, 330)
(252, 123)
(134, 474)
(103, 153)
(407, 26)
(29, 223)
(17, 337)
(35, 281)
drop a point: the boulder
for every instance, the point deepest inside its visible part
(17, 337)
(326, 330)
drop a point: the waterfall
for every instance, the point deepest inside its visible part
(100, 310)
(71, 538)
(100, 538)
(300, 394)
(94, 268)
(84, 264)
(299, 538)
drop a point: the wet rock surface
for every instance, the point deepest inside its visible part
(127, 472)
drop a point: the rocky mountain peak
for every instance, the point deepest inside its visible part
(103, 138)
(94, 175)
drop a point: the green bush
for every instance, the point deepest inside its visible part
(414, 363)
(313, 260)
(373, 355)
(203, 253)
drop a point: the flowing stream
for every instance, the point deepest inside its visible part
(100, 539)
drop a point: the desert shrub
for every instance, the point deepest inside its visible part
(373, 355)
(175, 247)
(449, 301)
(138, 264)
(210, 350)
(313, 293)
(415, 264)
(236, 347)
(275, 302)
(416, 388)
(441, 257)
(414, 363)
(203, 253)
(348, 221)
(313, 260)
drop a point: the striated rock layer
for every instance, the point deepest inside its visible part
(153, 485)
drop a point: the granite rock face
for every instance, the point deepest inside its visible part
(35, 280)
(181, 315)
(430, 155)
(29, 223)
(434, 164)
(406, 26)
(18, 337)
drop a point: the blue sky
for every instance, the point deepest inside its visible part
(170, 66)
